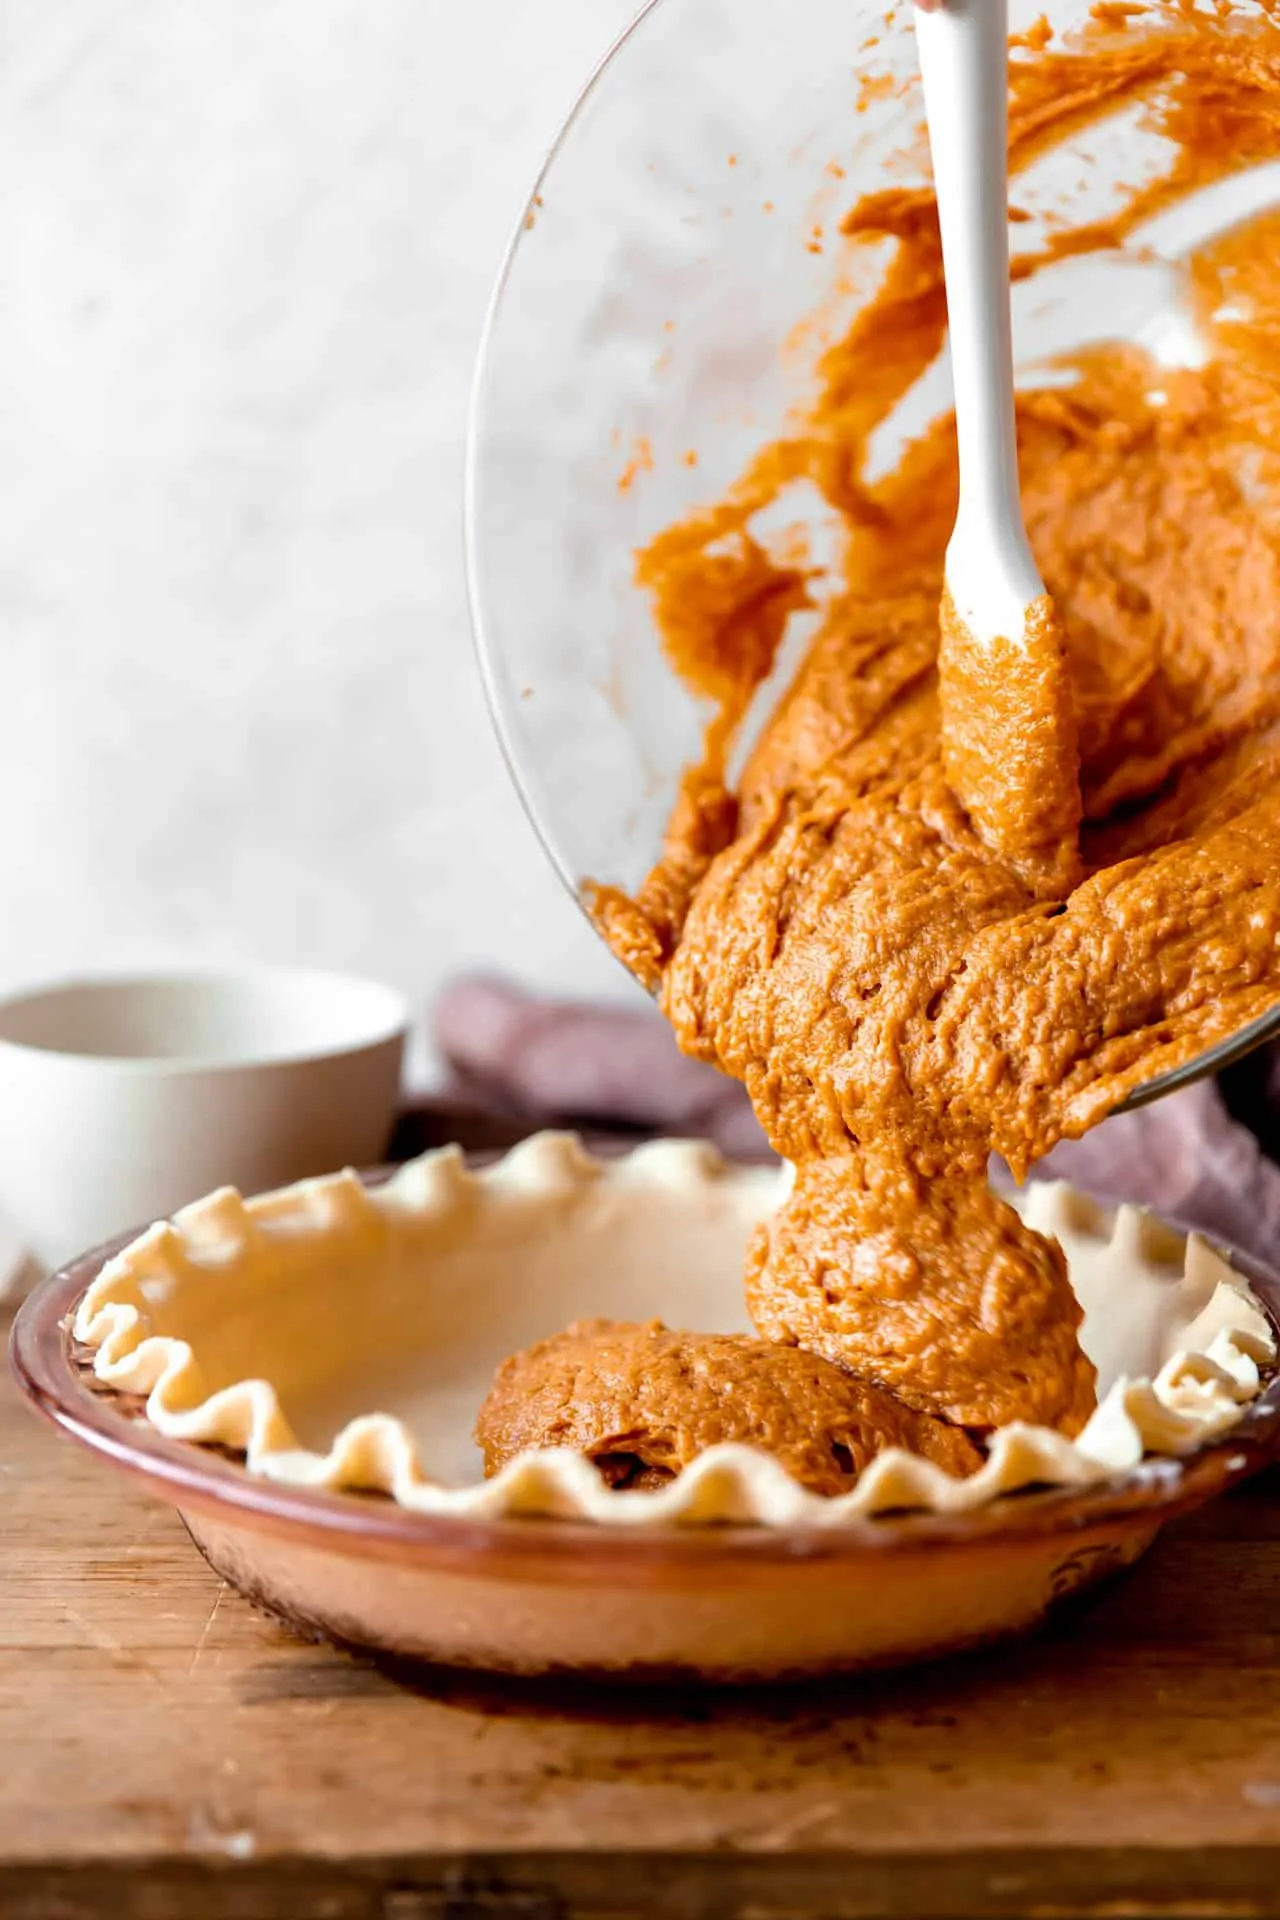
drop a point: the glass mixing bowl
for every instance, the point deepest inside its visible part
(663, 306)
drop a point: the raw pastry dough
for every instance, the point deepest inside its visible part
(343, 1337)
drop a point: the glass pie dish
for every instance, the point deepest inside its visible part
(300, 1374)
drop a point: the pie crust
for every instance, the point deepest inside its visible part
(343, 1336)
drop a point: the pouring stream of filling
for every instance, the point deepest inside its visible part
(905, 983)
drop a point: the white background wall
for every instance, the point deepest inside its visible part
(246, 250)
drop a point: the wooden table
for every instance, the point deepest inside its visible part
(166, 1751)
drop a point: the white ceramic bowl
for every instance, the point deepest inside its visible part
(122, 1099)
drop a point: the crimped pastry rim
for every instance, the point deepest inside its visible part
(730, 1485)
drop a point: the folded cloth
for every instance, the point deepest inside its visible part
(1196, 1156)
(554, 1063)
(1187, 1157)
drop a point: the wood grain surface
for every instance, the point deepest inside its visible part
(165, 1750)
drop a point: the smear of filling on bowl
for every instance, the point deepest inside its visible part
(899, 996)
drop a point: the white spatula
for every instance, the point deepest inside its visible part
(1009, 735)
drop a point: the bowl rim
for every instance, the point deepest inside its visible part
(189, 1475)
(484, 650)
(387, 1022)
